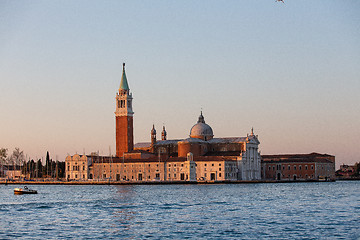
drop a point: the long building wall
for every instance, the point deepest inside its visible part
(298, 167)
(95, 169)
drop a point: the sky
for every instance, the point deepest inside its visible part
(290, 70)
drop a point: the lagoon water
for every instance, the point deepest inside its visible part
(324, 210)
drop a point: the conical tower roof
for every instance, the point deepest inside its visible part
(124, 83)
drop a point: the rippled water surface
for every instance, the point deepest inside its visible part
(233, 211)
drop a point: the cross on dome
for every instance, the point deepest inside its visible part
(201, 118)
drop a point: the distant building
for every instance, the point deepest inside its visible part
(77, 167)
(201, 157)
(347, 171)
(11, 171)
(313, 166)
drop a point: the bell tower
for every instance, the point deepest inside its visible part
(124, 118)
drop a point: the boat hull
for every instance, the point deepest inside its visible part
(19, 191)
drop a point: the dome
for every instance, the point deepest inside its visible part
(201, 130)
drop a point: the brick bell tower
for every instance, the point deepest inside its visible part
(124, 118)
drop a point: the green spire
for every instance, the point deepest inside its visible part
(124, 84)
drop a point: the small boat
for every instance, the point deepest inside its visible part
(24, 190)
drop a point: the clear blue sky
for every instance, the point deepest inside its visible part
(291, 71)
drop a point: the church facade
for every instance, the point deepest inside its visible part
(200, 157)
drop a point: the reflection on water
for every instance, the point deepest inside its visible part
(124, 209)
(235, 211)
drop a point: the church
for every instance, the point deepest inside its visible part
(200, 157)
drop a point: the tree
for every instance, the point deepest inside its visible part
(17, 157)
(32, 168)
(3, 155)
(39, 169)
(47, 164)
(61, 169)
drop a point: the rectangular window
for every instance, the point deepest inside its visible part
(312, 167)
(83, 176)
(294, 167)
(306, 168)
(288, 167)
(174, 175)
(157, 175)
(219, 169)
(83, 168)
(219, 174)
(299, 167)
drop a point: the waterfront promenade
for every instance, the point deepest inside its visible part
(109, 182)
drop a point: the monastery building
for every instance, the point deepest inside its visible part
(200, 157)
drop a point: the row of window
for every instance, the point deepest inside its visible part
(140, 177)
(306, 176)
(68, 163)
(278, 167)
(76, 176)
(205, 164)
(76, 168)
